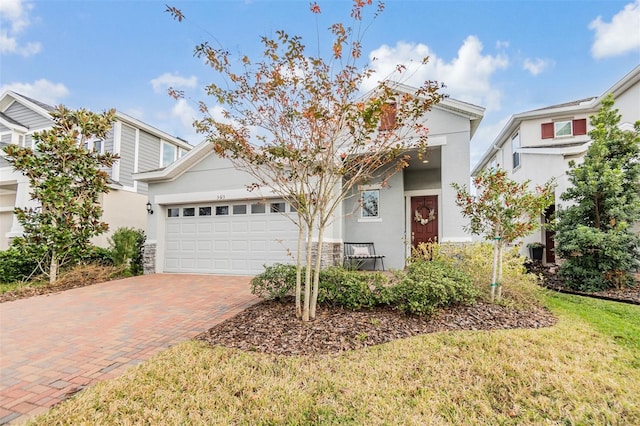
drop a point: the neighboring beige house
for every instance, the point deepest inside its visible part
(538, 145)
(141, 147)
(206, 221)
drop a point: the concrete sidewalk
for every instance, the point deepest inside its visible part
(53, 345)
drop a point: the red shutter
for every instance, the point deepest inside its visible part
(388, 117)
(547, 130)
(580, 127)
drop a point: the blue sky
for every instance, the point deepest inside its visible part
(507, 56)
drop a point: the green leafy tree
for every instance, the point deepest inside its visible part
(66, 180)
(593, 234)
(300, 126)
(503, 211)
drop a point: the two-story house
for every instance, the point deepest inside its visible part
(141, 147)
(538, 145)
(206, 220)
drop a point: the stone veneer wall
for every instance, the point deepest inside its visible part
(331, 254)
(149, 258)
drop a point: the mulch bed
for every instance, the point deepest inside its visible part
(272, 327)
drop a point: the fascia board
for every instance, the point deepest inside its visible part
(178, 167)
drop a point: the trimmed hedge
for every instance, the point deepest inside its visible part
(425, 287)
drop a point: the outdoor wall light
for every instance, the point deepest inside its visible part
(149, 209)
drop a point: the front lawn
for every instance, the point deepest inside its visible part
(584, 370)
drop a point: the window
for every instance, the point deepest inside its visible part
(204, 211)
(240, 209)
(94, 145)
(515, 146)
(370, 203)
(189, 211)
(169, 153)
(564, 128)
(173, 212)
(222, 210)
(277, 207)
(257, 208)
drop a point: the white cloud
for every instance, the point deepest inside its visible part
(537, 65)
(620, 36)
(43, 90)
(184, 113)
(467, 76)
(166, 80)
(14, 19)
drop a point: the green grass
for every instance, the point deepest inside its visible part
(583, 371)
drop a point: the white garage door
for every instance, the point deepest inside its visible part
(229, 238)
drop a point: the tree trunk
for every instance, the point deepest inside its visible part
(316, 273)
(53, 268)
(299, 270)
(307, 276)
(499, 281)
(494, 276)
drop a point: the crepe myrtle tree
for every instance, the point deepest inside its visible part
(66, 180)
(299, 125)
(502, 211)
(593, 234)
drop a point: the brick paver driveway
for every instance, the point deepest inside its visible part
(54, 345)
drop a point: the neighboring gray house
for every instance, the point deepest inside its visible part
(206, 221)
(538, 145)
(140, 146)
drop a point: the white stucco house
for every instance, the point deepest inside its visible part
(206, 221)
(538, 145)
(140, 146)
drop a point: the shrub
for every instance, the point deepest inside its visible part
(519, 288)
(15, 265)
(276, 282)
(430, 285)
(98, 256)
(352, 289)
(127, 246)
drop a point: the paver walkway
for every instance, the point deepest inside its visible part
(53, 345)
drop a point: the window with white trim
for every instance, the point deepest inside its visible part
(564, 128)
(370, 204)
(169, 154)
(515, 147)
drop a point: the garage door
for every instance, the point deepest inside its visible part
(229, 238)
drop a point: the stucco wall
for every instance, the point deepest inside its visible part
(122, 209)
(387, 233)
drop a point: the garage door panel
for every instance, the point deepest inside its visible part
(222, 227)
(258, 226)
(240, 225)
(204, 246)
(189, 228)
(188, 246)
(222, 246)
(239, 245)
(205, 228)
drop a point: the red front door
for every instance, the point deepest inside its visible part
(424, 219)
